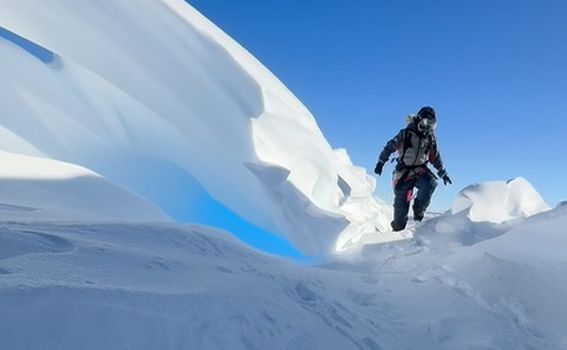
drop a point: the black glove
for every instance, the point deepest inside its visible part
(379, 167)
(446, 179)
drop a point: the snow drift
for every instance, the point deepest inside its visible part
(77, 285)
(36, 189)
(499, 201)
(153, 79)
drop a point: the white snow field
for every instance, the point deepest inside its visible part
(457, 284)
(139, 87)
(135, 83)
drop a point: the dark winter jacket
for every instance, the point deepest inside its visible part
(415, 151)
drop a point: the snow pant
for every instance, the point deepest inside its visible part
(425, 183)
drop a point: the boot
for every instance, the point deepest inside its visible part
(418, 215)
(397, 227)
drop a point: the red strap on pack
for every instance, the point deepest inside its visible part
(409, 194)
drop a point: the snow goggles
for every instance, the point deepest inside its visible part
(426, 125)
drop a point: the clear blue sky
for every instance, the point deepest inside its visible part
(496, 72)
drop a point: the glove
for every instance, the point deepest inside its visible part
(446, 179)
(378, 168)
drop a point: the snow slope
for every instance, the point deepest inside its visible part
(172, 286)
(163, 83)
(36, 189)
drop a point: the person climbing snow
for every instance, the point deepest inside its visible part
(416, 146)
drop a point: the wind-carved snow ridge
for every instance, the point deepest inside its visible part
(163, 82)
(500, 201)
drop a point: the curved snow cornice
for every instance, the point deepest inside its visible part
(154, 78)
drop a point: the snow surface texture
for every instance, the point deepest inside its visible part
(499, 201)
(458, 284)
(36, 189)
(163, 83)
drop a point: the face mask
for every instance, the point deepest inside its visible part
(426, 125)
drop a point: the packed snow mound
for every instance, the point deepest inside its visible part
(499, 201)
(36, 189)
(138, 79)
